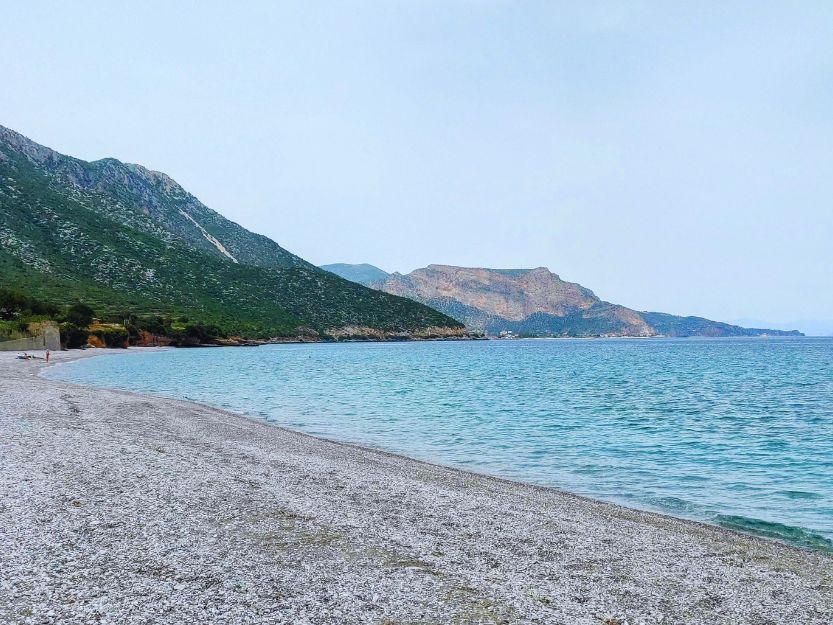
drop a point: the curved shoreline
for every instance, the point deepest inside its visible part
(409, 539)
(811, 539)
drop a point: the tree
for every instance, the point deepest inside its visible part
(80, 315)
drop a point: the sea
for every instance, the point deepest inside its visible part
(732, 432)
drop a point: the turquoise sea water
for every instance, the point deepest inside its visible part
(737, 432)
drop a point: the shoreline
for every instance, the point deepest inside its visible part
(436, 464)
(460, 546)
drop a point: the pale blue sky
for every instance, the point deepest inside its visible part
(670, 156)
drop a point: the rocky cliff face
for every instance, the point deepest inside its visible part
(512, 294)
(524, 301)
(537, 302)
(150, 202)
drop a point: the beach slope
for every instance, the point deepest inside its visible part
(121, 508)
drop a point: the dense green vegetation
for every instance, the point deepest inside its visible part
(78, 322)
(672, 325)
(126, 241)
(14, 305)
(577, 324)
(18, 311)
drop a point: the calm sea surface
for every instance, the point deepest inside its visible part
(737, 432)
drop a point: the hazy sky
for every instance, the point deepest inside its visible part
(670, 157)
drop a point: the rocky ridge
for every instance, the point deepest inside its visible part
(131, 241)
(536, 302)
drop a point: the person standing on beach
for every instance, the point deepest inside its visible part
(47, 356)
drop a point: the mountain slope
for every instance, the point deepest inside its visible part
(124, 238)
(674, 325)
(536, 302)
(363, 274)
(524, 301)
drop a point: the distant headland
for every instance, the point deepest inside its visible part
(532, 302)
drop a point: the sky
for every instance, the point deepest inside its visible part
(669, 156)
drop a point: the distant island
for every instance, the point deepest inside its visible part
(532, 302)
(129, 248)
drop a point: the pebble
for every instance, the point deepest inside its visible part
(241, 522)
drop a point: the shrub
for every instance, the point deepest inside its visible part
(203, 333)
(73, 337)
(111, 336)
(154, 325)
(14, 303)
(193, 334)
(80, 315)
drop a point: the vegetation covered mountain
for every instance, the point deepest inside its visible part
(363, 273)
(536, 302)
(127, 240)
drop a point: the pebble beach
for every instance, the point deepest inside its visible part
(117, 507)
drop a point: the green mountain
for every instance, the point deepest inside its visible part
(125, 239)
(536, 302)
(363, 274)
